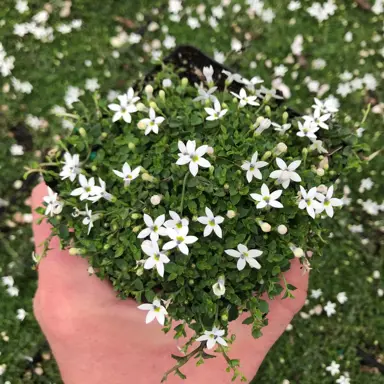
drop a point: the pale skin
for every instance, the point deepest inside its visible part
(97, 338)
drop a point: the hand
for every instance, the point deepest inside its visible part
(97, 338)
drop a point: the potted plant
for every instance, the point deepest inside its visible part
(193, 194)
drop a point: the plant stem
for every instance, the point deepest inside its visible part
(184, 360)
(366, 114)
(183, 193)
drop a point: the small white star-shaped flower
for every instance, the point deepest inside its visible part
(308, 201)
(125, 108)
(342, 297)
(333, 369)
(316, 293)
(155, 311)
(308, 129)
(180, 240)
(266, 198)
(244, 99)
(253, 168)
(154, 228)
(286, 172)
(177, 222)
(127, 174)
(193, 156)
(216, 112)
(244, 256)
(206, 95)
(87, 188)
(71, 166)
(330, 308)
(156, 258)
(152, 123)
(211, 222)
(317, 145)
(54, 207)
(318, 119)
(213, 337)
(89, 218)
(328, 202)
(281, 128)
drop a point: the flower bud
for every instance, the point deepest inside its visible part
(167, 83)
(231, 214)
(304, 153)
(279, 149)
(135, 216)
(324, 163)
(162, 95)
(141, 107)
(258, 121)
(153, 105)
(106, 247)
(226, 186)
(94, 168)
(140, 271)
(322, 189)
(210, 151)
(104, 135)
(298, 252)
(136, 229)
(141, 125)
(184, 82)
(285, 117)
(156, 199)
(76, 251)
(282, 229)
(320, 172)
(224, 317)
(149, 91)
(266, 155)
(265, 227)
(83, 132)
(131, 145)
(147, 177)
(267, 110)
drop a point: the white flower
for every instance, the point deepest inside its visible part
(205, 96)
(308, 201)
(3, 368)
(316, 293)
(87, 188)
(317, 145)
(328, 106)
(328, 202)
(366, 185)
(152, 123)
(21, 313)
(155, 311)
(208, 73)
(92, 85)
(71, 166)
(219, 287)
(89, 218)
(17, 150)
(307, 129)
(54, 207)
(8, 281)
(318, 119)
(211, 222)
(13, 291)
(281, 128)
(154, 228)
(156, 257)
(333, 369)
(156, 199)
(286, 172)
(192, 156)
(262, 124)
(213, 337)
(127, 174)
(268, 93)
(245, 255)
(126, 107)
(267, 198)
(72, 95)
(342, 297)
(244, 99)
(177, 222)
(216, 112)
(179, 239)
(330, 308)
(343, 379)
(282, 229)
(21, 6)
(231, 77)
(253, 168)
(100, 192)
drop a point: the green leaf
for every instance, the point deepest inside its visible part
(263, 306)
(248, 320)
(256, 333)
(138, 284)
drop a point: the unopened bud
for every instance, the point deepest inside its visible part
(266, 155)
(267, 110)
(304, 153)
(226, 186)
(210, 150)
(265, 227)
(104, 135)
(140, 271)
(94, 168)
(298, 252)
(156, 199)
(258, 121)
(324, 163)
(106, 247)
(135, 216)
(75, 251)
(141, 107)
(136, 229)
(285, 117)
(167, 83)
(320, 172)
(162, 95)
(282, 229)
(184, 82)
(279, 149)
(149, 91)
(147, 177)
(141, 125)
(131, 145)
(82, 132)
(231, 214)
(153, 105)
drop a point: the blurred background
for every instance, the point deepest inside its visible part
(52, 52)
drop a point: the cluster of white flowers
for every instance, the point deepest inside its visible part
(350, 83)
(9, 282)
(22, 86)
(322, 11)
(7, 63)
(334, 370)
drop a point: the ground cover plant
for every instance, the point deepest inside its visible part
(334, 49)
